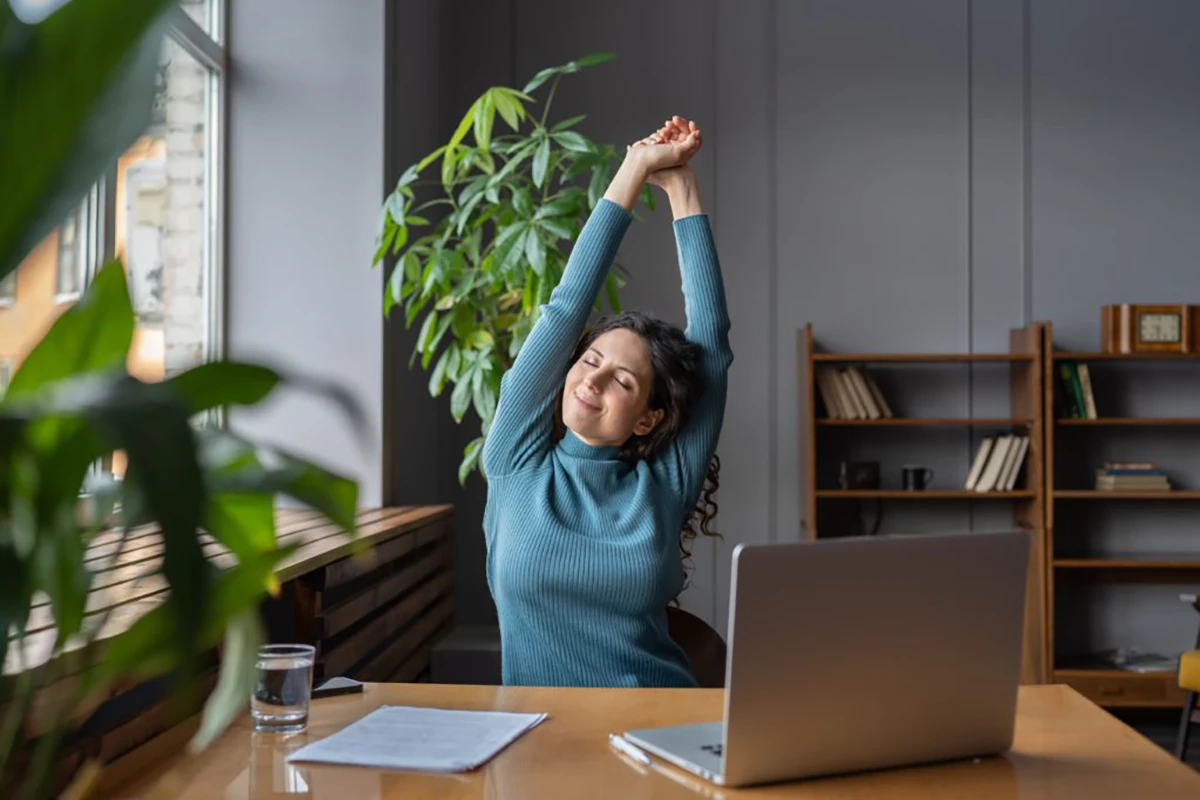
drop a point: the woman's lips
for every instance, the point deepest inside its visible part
(586, 404)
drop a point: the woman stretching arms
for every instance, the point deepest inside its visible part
(600, 448)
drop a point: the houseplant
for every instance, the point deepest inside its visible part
(498, 220)
(76, 89)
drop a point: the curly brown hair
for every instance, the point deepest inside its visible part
(677, 386)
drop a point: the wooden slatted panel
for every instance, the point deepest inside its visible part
(323, 544)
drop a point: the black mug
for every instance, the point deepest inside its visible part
(916, 478)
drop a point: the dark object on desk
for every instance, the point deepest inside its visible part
(704, 647)
(859, 475)
(336, 686)
(915, 479)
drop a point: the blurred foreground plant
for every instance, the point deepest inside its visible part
(76, 89)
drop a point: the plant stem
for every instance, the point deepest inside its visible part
(549, 101)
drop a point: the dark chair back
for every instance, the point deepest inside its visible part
(704, 647)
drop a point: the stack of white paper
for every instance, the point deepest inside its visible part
(427, 739)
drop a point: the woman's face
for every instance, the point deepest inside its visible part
(606, 397)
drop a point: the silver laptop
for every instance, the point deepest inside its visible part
(862, 653)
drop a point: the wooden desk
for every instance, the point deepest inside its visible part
(1066, 747)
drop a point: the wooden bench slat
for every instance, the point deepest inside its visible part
(340, 617)
(384, 627)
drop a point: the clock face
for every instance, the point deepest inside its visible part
(1165, 328)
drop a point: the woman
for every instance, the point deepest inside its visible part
(599, 451)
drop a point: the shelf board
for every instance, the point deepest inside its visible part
(1179, 561)
(922, 358)
(912, 422)
(1069, 355)
(925, 494)
(1132, 421)
(1093, 494)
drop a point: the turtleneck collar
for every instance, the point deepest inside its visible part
(572, 445)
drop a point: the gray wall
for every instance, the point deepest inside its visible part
(306, 159)
(914, 176)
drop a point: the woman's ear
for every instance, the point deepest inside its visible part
(648, 422)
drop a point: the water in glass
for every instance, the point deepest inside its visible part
(282, 686)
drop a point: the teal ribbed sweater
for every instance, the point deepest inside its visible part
(582, 547)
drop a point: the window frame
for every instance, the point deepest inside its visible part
(214, 57)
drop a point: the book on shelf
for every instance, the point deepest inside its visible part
(851, 393)
(1074, 394)
(998, 462)
(1116, 476)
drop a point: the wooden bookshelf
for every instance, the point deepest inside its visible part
(1072, 508)
(830, 510)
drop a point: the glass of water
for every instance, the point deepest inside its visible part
(282, 686)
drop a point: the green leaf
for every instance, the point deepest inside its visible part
(77, 89)
(242, 639)
(470, 458)
(559, 227)
(597, 186)
(224, 383)
(437, 379)
(413, 219)
(427, 329)
(460, 399)
(14, 596)
(401, 239)
(485, 401)
(481, 340)
(567, 123)
(93, 335)
(485, 117)
(513, 164)
(510, 109)
(535, 252)
(522, 201)
(540, 78)
(59, 571)
(242, 521)
(429, 159)
(561, 207)
(594, 59)
(573, 141)
(448, 160)
(507, 239)
(540, 160)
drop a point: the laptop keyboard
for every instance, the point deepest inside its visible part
(715, 749)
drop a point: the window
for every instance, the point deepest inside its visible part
(69, 276)
(164, 223)
(158, 209)
(8, 288)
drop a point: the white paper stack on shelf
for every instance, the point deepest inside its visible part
(425, 739)
(997, 463)
(851, 393)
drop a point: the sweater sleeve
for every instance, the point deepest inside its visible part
(685, 463)
(521, 428)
